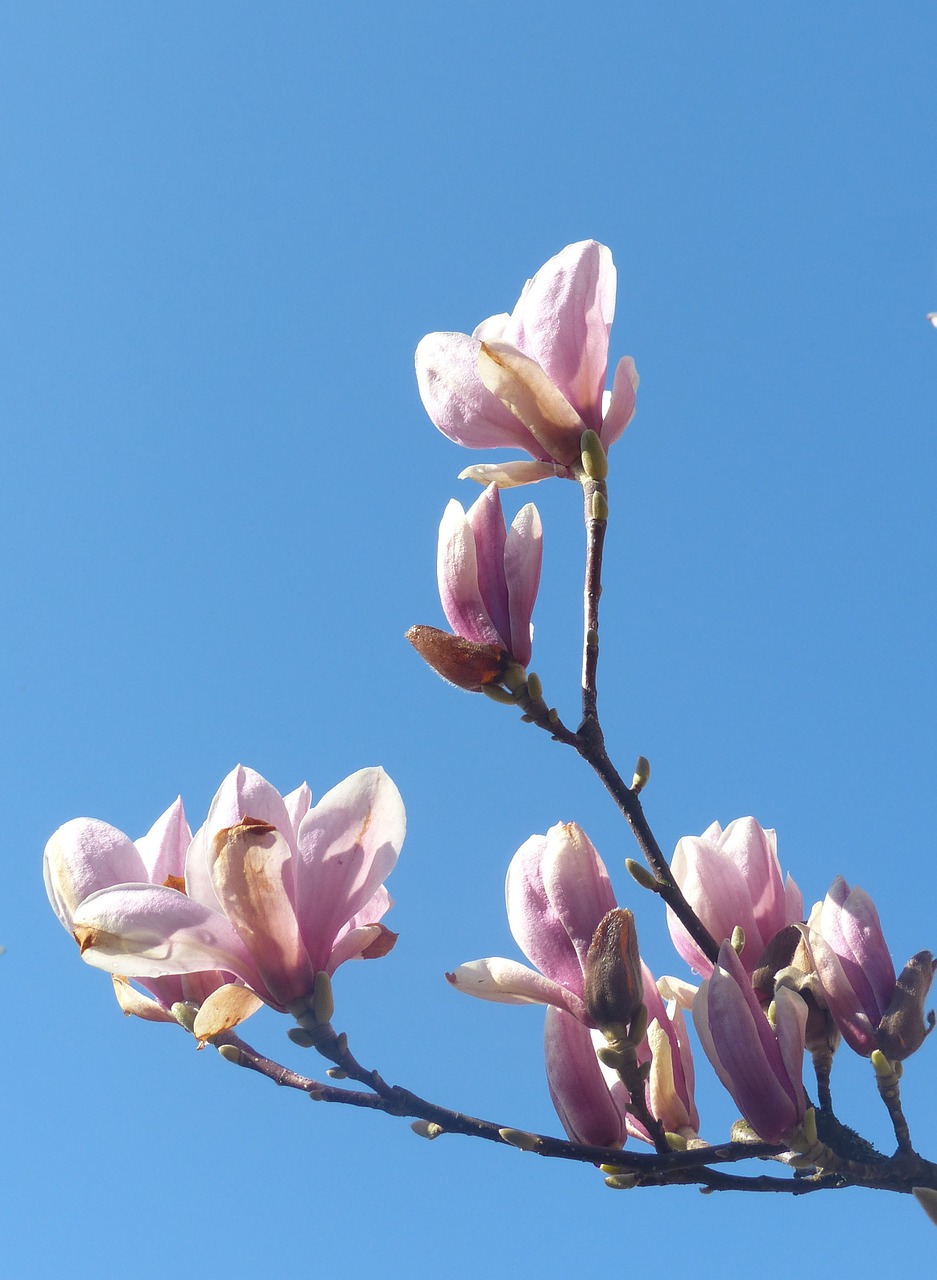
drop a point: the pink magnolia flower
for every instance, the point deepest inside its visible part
(872, 1007)
(535, 379)
(760, 1065)
(557, 893)
(733, 878)
(86, 855)
(488, 574)
(274, 891)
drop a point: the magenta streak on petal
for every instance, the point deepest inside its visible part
(486, 520)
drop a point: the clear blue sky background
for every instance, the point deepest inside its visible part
(224, 229)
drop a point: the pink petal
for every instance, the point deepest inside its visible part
(562, 321)
(486, 519)
(457, 401)
(146, 931)
(621, 402)
(349, 843)
(534, 922)
(457, 577)
(523, 557)
(586, 1108)
(164, 846)
(83, 856)
(297, 805)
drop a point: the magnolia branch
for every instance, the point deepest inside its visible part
(625, 1169)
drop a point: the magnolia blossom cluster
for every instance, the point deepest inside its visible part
(533, 380)
(269, 892)
(780, 984)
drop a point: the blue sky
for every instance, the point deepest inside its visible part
(224, 229)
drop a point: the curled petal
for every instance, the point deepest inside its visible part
(508, 982)
(83, 856)
(506, 475)
(225, 1008)
(523, 387)
(146, 931)
(621, 401)
(458, 402)
(135, 1004)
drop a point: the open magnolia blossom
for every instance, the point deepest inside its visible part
(732, 879)
(535, 379)
(273, 891)
(558, 895)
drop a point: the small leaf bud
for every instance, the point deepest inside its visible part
(230, 1053)
(427, 1129)
(593, 455)
(737, 941)
(642, 774)
(323, 1003)
(646, 879)
(599, 506)
(518, 1138)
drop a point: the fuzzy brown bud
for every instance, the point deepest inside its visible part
(901, 1031)
(464, 663)
(614, 985)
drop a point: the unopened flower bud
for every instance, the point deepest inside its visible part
(901, 1031)
(614, 984)
(464, 663)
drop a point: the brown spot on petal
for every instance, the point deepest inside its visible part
(86, 937)
(175, 882)
(384, 942)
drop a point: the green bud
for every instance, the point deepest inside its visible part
(299, 1035)
(646, 879)
(184, 1013)
(230, 1053)
(497, 694)
(323, 1004)
(642, 774)
(622, 1181)
(518, 1138)
(534, 686)
(599, 506)
(427, 1129)
(594, 458)
(737, 941)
